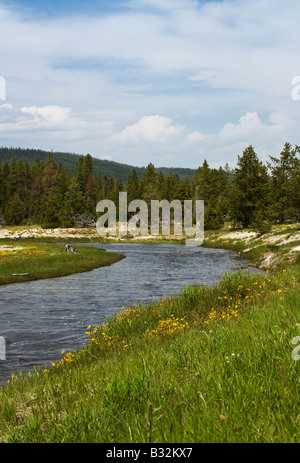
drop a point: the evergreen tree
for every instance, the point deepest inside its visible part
(51, 176)
(36, 190)
(4, 186)
(171, 186)
(84, 170)
(162, 188)
(149, 184)
(98, 185)
(88, 166)
(74, 204)
(50, 215)
(133, 186)
(285, 173)
(14, 212)
(51, 203)
(16, 177)
(80, 173)
(90, 196)
(213, 216)
(250, 195)
(203, 186)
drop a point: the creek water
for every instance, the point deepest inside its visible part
(40, 319)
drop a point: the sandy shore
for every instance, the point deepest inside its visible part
(89, 233)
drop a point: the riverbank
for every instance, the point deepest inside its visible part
(26, 261)
(280, 246)
(266, 251)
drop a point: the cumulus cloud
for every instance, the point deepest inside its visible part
(49, 116)
(149, 129)
(248, 124)
(45, 117)
(195, 137)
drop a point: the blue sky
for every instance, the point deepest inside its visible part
(56, 8)
(171, 82)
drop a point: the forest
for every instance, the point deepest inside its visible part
(106, 167)
(253, 194)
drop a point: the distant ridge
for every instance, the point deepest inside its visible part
(108, 168)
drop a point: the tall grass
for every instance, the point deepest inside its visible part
(211, 365)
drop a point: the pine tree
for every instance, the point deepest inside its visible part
(51, 203)
(161, 187)
(36, 190)
(88, 167)
(213, 216)
(4, 186)
(285, 173)
(149, 184)
(90, 196)
(80, 173)
(51, 176)
(172, 183)
(50, 215)
(14, 212)
(203, 186)
(133, 186)
(250, 196)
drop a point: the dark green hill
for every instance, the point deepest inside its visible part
(108, 168)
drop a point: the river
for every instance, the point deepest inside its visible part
(40, 319)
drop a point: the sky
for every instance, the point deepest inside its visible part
(172, 82)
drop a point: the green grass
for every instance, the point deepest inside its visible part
(49, 260)
(211, 365)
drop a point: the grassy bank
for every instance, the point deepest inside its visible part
(211, 365)
(268, 250)
(24, 261)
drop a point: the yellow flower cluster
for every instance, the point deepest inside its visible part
(169, 326)
(214, 316)
(127, 313)
(106, 337)
(12, 251)
(66, 360)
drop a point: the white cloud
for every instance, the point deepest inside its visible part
(49, 116)
(248, 124)
(7, 106)
(149, 129)
(195, 137)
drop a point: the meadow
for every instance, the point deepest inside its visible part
(23, 260)
(214, 364)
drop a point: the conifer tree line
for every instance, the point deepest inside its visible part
(253, 194)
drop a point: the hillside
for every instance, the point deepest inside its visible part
(108, 168)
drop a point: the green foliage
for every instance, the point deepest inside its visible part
(56, 195)
(251, 191)
(286, 184)
(70, 160)
(14, 212)
(213, 217)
